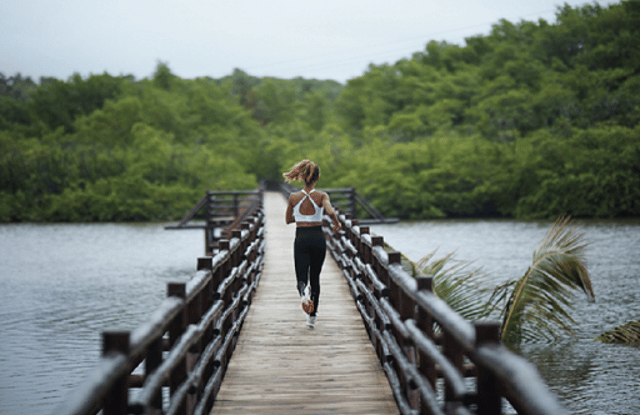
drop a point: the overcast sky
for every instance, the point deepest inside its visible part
(328, 39)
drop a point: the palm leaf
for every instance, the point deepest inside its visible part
(539, 303)
(461, 288)
(626, 334)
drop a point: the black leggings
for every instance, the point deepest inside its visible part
(309, 250)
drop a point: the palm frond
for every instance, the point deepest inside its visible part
(626, 334)
(458, 285)
(539, 304)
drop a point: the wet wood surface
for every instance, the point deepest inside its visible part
(281, 366)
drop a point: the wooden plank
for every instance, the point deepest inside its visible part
(280, 365)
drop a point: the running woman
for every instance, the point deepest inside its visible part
(306, 209)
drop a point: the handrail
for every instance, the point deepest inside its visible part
(225, 210)
(197, 325)
(418, 338)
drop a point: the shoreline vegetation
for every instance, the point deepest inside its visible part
(534, 120)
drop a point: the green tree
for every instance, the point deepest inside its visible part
(163, 77)
(57, 103)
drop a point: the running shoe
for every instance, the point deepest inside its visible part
(311, 321)
(307, 304)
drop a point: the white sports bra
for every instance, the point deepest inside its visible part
(316, 217)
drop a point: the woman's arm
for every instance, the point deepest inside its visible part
(326, 203)
(288, 217)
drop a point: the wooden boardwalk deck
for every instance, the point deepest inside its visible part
(280, 366)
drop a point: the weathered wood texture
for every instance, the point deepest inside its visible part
(281, 366)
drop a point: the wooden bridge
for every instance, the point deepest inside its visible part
(280, 366)
(234, 341)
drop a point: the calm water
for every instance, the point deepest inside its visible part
(590, 377)
(62, 285)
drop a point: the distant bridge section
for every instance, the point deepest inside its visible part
(224, 211)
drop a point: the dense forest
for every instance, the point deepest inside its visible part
(532, 120)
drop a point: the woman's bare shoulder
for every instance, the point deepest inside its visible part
(295, 197)
(320, 196)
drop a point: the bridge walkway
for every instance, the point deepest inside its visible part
(280, 366)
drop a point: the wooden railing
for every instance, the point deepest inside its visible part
(224, 212)
(419, 339)
(174, 364)
(227, 210)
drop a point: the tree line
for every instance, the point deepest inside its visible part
(533, 120)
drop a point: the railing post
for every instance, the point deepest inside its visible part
(489, 399)
(151, 363)
(407, 311)
(394, 291)
(363, 252)
(375, 242)
(403, 304)
(176, 329)
(364, 248)
(204, 263)
(237, 233)
(226, 268)
(383, 273)
(223, 245)
(454, 353)
(425, 324)
(246, 244)
(117, 402)
(177, 289)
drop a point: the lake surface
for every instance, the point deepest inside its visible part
(589, 377)
(62, 285)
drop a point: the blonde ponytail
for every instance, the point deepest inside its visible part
(305, 171)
